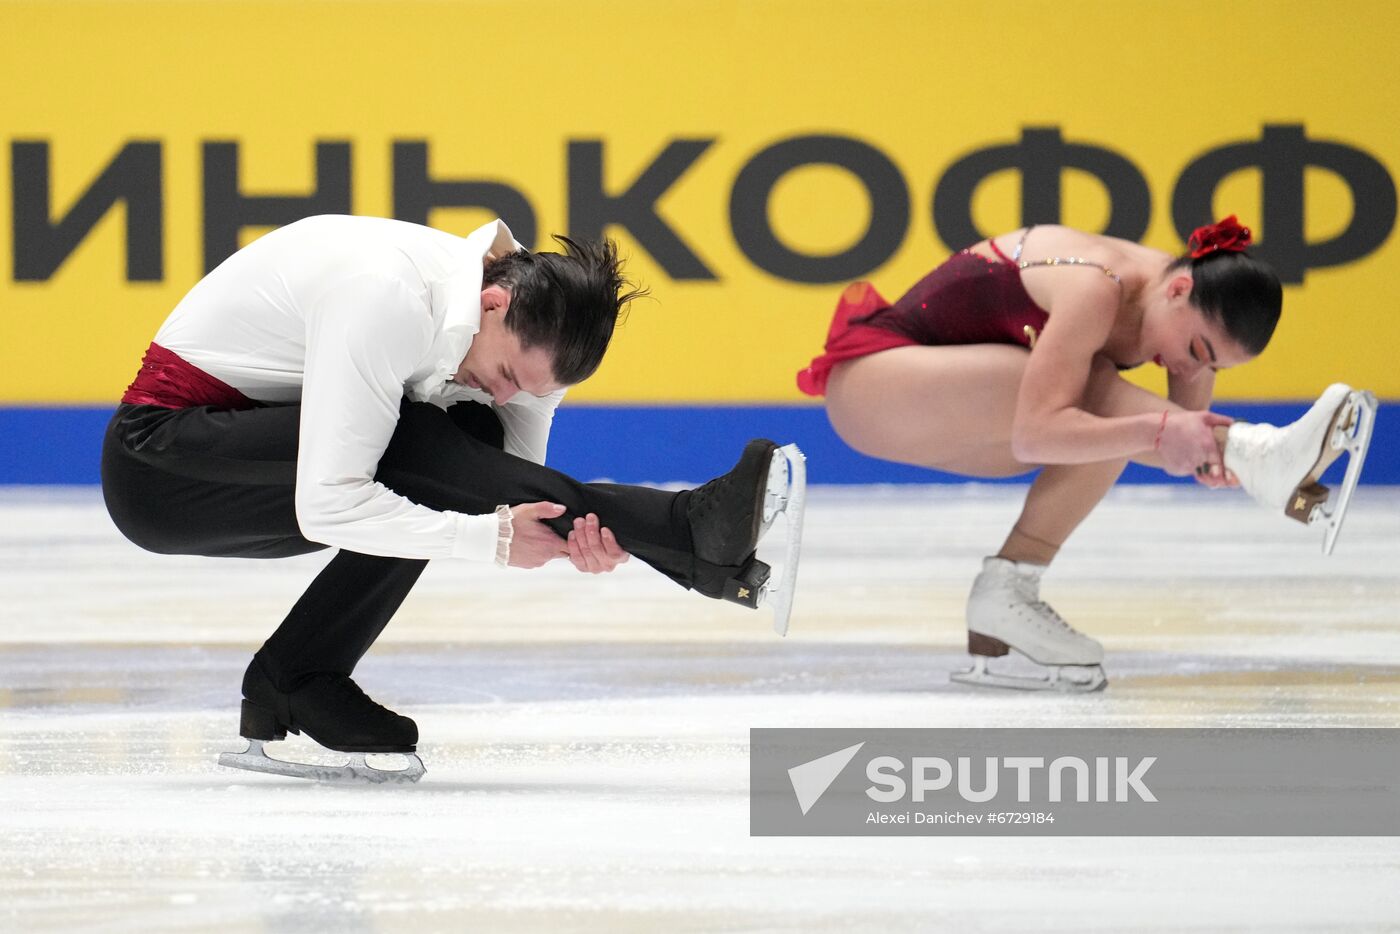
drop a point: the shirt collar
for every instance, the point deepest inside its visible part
(462, 291)
(459, 297)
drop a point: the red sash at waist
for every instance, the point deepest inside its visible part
(170, 382)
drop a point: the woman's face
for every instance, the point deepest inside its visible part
(1178, 336)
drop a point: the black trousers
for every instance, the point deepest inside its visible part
(203, 481)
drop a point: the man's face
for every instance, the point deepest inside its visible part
(496, 363)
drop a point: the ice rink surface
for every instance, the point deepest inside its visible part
(586, 738)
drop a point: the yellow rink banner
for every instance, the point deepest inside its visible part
(750, 158)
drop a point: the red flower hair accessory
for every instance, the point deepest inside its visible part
(1228, 235)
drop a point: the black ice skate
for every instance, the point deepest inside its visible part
(332, 710)
(731, 514)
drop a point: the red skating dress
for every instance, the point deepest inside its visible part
(969, 299)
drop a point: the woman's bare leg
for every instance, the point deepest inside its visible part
(1063, 495)
(948, 408)
(951, 408)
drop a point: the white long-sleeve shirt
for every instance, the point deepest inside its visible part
(349, 315)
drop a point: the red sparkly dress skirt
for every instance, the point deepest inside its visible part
(969, 299)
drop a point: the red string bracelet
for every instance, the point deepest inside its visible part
(1157, 442)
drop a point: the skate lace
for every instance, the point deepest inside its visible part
(347, 689)
(721, 514)
(1048, 612)
(1028, 592)
(723, 492)
(703, 498)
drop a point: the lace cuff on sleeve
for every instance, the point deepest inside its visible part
(505, 533)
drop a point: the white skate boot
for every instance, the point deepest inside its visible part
(1005, 612)
(1280, 467)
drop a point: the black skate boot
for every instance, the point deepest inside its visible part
(329, 708)
(726, 514)
(332, 710)
(731, 513)
(726, 518)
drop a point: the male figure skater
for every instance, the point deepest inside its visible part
(387, 389)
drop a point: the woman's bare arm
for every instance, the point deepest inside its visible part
(1051, 427)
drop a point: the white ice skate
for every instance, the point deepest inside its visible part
(786, 496)
(1005, 612)
(356, 770)
(1280, 467)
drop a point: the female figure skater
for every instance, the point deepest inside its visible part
(1007, 356)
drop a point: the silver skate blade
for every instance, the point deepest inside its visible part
(787, 494)
(357, 770)
(1355, 442)
(1066, 679)
(777, 490)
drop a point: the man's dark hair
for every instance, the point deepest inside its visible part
(567, 303)
(1238, 291)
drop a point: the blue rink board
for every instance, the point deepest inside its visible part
(627, 444)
